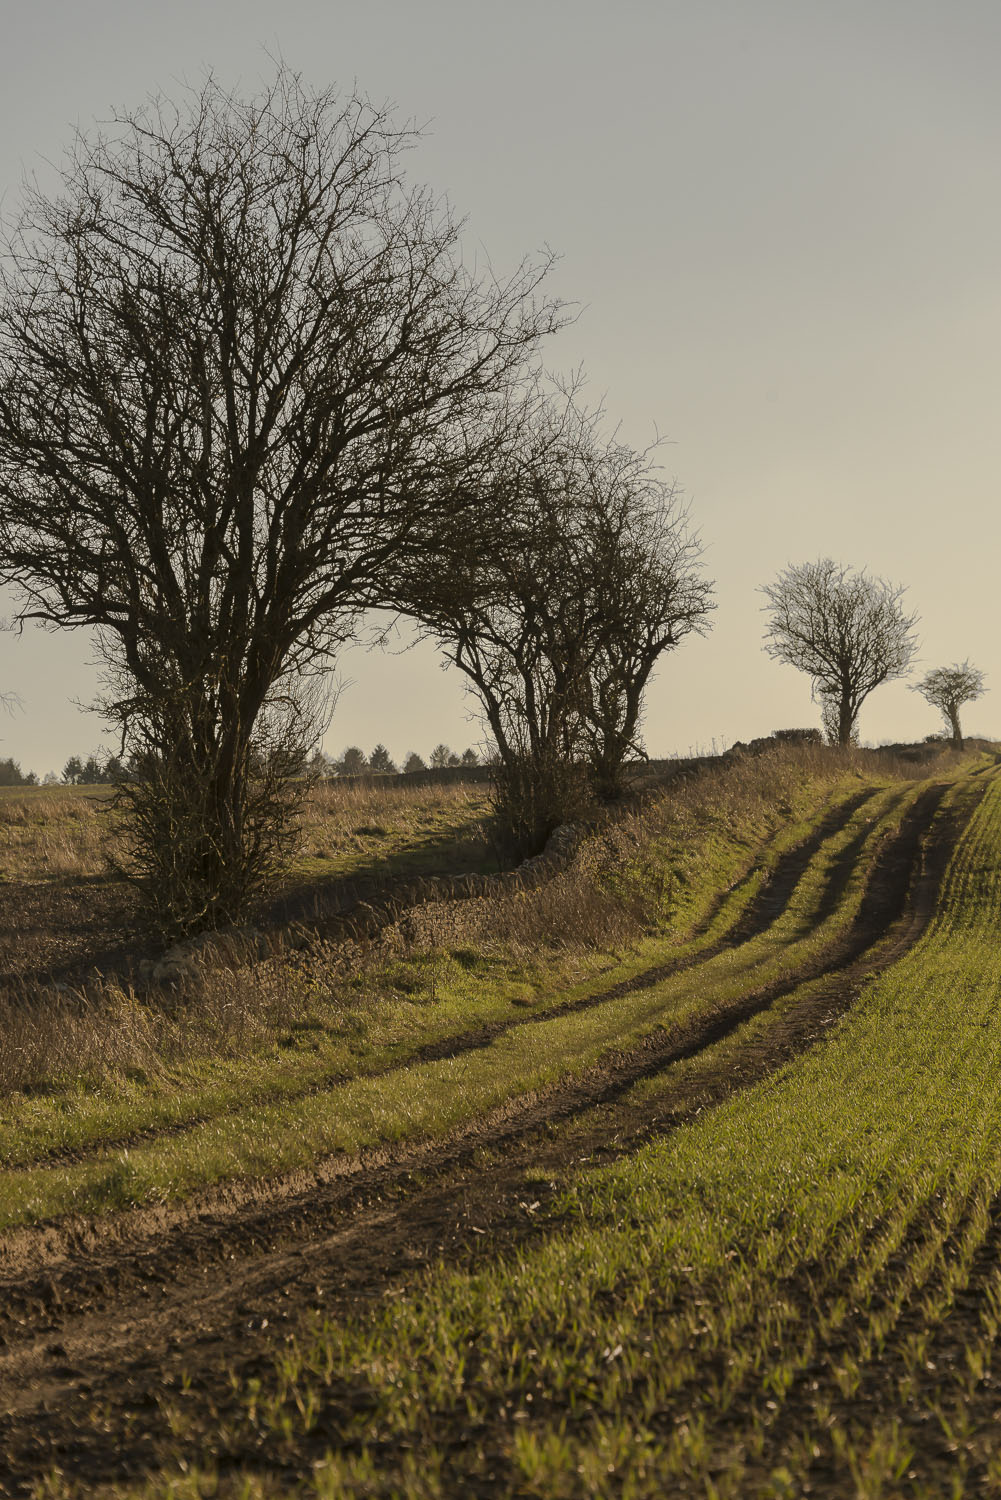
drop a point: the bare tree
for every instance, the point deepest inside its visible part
(509, 615)
(947, 689)
(240, 360)
(846, 629)
(583, 575)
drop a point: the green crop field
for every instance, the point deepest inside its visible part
(799, 1293)
(706, 1205)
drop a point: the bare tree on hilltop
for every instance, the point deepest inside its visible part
(644, 576)
(947, 689)
(241, 362)
(848, 630)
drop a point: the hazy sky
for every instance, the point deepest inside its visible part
(782, 220)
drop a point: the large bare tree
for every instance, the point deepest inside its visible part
(947, 689)
(848, 630)
(584, 573)
(240, 360)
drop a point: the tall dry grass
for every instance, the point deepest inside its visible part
(348, 823)
(63, 1035)
(55, 832)
(697, 833)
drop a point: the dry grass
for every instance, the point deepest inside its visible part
(655, 870)
(55, 832)
(660, 865)
(67, 833)
(58, 1035)
(433, 828)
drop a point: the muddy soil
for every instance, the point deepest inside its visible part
(65, 929)
(100, 1321)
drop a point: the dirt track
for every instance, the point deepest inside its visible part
(93, 1335)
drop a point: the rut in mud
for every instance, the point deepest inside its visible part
(93, 1341)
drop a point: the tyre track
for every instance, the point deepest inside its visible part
(601, 1084)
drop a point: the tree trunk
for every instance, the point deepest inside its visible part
(957, 733)
(607, 766)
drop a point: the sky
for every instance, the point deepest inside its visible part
(781, 223)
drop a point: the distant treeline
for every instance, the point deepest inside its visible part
(98, 770)
(354, 762)
(95, 770)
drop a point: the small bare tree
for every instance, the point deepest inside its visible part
(240, 360)
(846, 629)
(947, 689)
